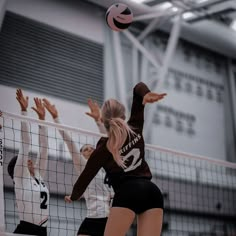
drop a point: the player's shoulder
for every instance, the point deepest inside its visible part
(101, 147)
(102, 142)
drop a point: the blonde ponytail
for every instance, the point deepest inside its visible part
(113, 115)
(118, 132)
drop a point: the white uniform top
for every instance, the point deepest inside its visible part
(97, 195)
(32, 195)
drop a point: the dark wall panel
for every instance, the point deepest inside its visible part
(41, 58)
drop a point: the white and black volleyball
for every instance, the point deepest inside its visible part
(119, 17)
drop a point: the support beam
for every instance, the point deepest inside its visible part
(153, 24)
(172, 43)
(157, 14)
(148, 29)
(232, 82)
(156, 63)
(135, 66)
(230, 112)
(119, 69)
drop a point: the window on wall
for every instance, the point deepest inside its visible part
(41, 58)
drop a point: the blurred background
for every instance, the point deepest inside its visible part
(63, 50)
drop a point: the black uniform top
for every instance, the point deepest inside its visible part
(132, 152)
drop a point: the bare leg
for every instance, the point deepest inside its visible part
(150, 222)
(119, 221)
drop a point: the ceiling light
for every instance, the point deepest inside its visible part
(138, 1)
(165, 5)
(188, 15)
(233, 25)
(174, 9)
(196, 1)
(201, 1)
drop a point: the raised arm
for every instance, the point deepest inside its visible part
(92, 167)
(141, 96)
(95, 113)
(77, 159)
(42, 158)
(21, 168)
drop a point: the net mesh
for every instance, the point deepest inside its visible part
(199, 193)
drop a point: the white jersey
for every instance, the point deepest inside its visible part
(97, 195)
(32, 195)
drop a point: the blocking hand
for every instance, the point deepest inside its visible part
(153, 97)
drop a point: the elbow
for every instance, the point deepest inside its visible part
(141, 89)
(139, 85)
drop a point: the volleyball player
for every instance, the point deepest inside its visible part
(32, 194)
(98, 195)
(122, 155)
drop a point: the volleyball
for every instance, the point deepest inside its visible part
(119, 17)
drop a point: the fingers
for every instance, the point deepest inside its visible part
(19, 93)
(94, 110)
(23, 101)
(67, 199)
(92, 104)
(89, 114)
(162, 95)
(48, 105)
(95, 102)
(90, 101)
(38, 103)
(46, 102)
(153, 97)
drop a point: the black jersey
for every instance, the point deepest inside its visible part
(132, 152)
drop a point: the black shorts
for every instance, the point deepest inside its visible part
(93, 226)
(30, 229)
(138, 195)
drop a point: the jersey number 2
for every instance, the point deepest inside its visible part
(43, 204)
(135, 162)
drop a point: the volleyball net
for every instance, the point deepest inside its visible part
(199, 192)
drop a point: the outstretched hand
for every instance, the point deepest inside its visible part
(51, 108)
(153, 97)
(67, 199)
(23, 101)
(39, 109)
(94, 110)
